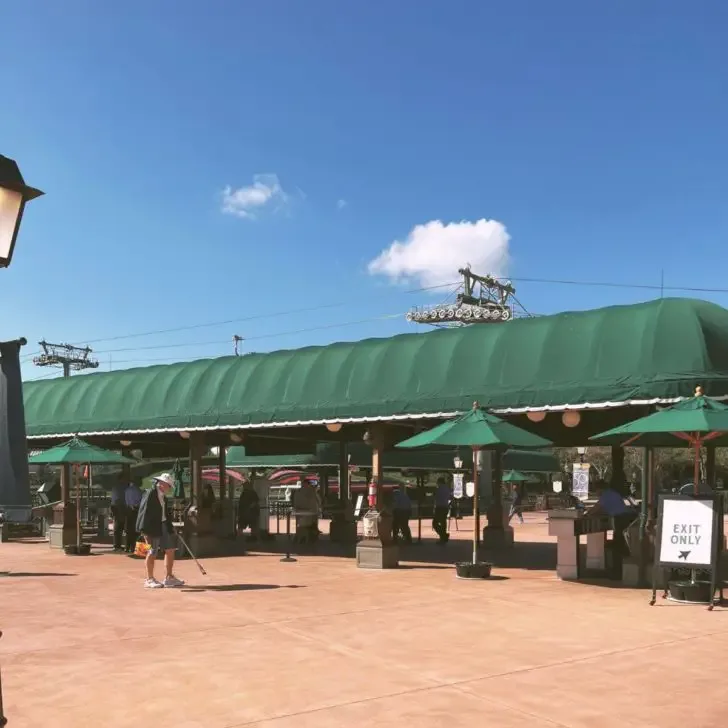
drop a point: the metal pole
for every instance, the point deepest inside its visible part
(420, 500)
(3, 719)
(78, 509)
(288, 558)
(476, 511)
(644, 505)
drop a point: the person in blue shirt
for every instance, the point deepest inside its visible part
(443, 496)
(611, 502)
(132, 499)
(401, 511)
(118, 512)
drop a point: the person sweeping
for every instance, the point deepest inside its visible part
(155, 524)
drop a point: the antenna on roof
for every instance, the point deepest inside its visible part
(237, 340)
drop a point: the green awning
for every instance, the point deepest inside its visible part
(653, 351)
(327, 454)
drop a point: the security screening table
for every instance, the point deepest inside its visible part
(568, 525)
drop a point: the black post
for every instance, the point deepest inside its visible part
(288, 558)
(420, 501)
(3, 719)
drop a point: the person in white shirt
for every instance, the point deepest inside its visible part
(155, 524)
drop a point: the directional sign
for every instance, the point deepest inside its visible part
(687, 532)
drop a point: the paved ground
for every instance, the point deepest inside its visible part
(319, 643)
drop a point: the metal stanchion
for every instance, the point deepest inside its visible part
(288, 558)
(3, 719)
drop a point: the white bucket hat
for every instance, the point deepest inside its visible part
(165, 478)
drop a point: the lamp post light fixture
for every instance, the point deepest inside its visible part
(14, 193)
(457, 461)
(581, 451)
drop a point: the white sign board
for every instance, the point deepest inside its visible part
(687, 532)
(557, 485)
(470, 489)
(580, 483)
(458, 489)
(358, 507)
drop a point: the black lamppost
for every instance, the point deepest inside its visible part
(14, 194)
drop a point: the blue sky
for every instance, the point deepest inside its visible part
(591, 135)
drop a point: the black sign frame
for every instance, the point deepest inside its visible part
(716, 546)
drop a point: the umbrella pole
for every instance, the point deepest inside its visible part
(78, 510)
(476, 508)
(696, 471)
(696, 482)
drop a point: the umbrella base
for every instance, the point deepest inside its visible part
(690, 592)
(75, 550)
(470, 570)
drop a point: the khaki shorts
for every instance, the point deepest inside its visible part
(165, 542)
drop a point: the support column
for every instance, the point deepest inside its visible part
(636, 569)
(498, 533)
(343, 525)
(344, 485)
(226, 503)
(710, 465)
(324, 485)
(222, 467)
(377, 550)
(62, 531)
(199, 527)
(197, 444)
(618, 480)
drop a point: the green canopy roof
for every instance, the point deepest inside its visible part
(644, 352)
(533, 461)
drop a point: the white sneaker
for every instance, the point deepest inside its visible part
(172, 581)
(152, 584)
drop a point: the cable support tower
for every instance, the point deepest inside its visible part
(479, 300)
(69, 358)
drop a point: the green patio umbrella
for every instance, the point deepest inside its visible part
(481, 431)
(78, 452)
(515, 476)
(692, 422)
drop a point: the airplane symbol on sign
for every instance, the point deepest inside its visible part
(684, 555)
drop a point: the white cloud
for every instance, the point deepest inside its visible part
(433, 252)
(245, 201)
(341, 204)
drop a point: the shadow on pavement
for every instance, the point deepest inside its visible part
(16, 574)
(536, 556)
(239, 587)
